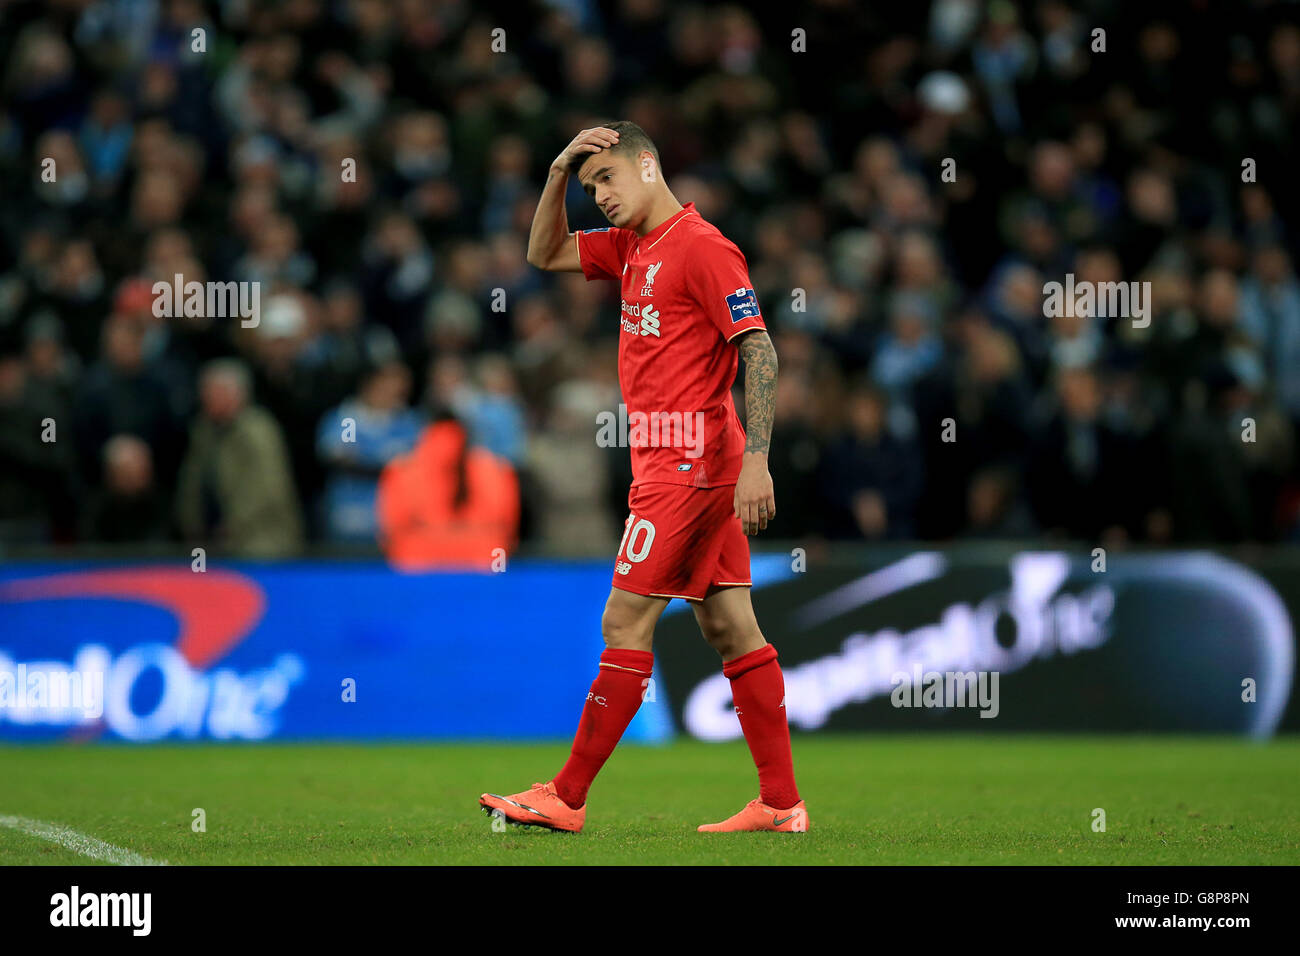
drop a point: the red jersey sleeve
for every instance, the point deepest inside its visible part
(602, 252)
(719, 282)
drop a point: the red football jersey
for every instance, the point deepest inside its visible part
(686, 295)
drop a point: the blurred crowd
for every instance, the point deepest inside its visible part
(375, 164)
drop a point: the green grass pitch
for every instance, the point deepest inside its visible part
(914, 799)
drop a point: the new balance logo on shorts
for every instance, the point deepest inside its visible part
(622, 567)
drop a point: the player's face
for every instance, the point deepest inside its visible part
(611, 180)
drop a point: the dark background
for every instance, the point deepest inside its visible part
(923, 298)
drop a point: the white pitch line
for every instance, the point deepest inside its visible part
(70, 839)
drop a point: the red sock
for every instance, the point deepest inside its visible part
(612, 703)
(758, 691)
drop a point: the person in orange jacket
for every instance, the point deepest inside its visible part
(446, 504)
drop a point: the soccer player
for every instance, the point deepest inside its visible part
(700, 484)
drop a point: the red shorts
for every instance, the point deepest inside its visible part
(679, 541)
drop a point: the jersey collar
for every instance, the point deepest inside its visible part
(658, 231)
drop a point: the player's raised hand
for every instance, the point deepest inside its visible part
(588, 141)
(755, 499)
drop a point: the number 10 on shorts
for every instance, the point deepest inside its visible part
(638, 536)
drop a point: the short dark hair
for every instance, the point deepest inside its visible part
(631, 140)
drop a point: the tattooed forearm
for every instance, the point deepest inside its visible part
(760, 389)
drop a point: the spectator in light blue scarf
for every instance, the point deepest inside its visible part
(355, 441)
(911, 347)
(1270, 315)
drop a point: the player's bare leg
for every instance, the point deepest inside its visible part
(629, 620)
(726, 619)
(625, 667)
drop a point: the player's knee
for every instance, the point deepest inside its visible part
(624, 631)
(721, 635)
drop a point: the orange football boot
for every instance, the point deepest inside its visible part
(538, 806)
(759, 816)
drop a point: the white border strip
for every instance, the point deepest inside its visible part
(70, 839)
